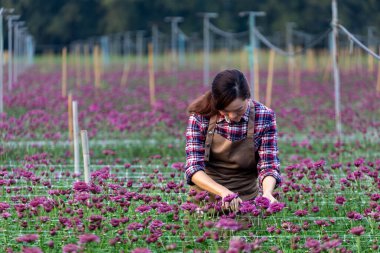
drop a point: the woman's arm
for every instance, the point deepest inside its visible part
(269, 183)
(201, 179)
(269, 163)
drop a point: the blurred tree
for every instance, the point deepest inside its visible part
(58, 22)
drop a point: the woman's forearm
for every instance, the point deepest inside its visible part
(201, 179)
(269, 183)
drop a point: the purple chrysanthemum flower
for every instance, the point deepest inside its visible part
(322, 223)
(312, 243)
(31, 250)
(246, 207)
(276, 207)
(332, 244)
(143, 209)
(357, 230)
(228, 224)
(27, 238)
(135, 226)
(70, 248)
(354, 215)
(301, 213)
(81, 187)
(87, 238)
(262, 202)
(340, 200)
(188, 206)
(230, 197)
(141, 250)
(315, 209)
(4, 206)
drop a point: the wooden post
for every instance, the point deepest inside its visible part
(370, 62)
(77, 65)
(327, 71)
(297, 69)
(256, 75)
(64, 72)
(270, 78)
(124, 76)
(167, 58)
(86, 156)
(97, 70)
(76, 136)
(87, 64)
(310, 60)
(152, 94)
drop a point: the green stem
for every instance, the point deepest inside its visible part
(358, 243)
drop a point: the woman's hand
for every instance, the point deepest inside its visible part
(269, 183)
(270, 197)
(230, 200)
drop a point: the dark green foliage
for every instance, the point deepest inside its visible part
(60, 22)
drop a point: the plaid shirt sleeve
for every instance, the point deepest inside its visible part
(269, 163)
(195, 139)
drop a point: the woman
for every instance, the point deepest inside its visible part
(231, 142)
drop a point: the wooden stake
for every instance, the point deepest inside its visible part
(310, 60)
(256, 74)
(370, 62)
(77, 65)
(270, 77)
(152, 94)
(297, 68)
(86, 156)
(124, 76)
(76, 136)
(97, 73)
(327, 70)
(64, 72)
(87, 67)
(167, 61)
(297, 75)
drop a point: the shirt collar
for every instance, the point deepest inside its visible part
(244, 118)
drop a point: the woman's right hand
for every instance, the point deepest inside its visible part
(234, 204)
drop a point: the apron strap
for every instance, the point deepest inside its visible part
(209, 137)
(251, 121)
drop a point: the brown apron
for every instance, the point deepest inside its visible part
(232, 164)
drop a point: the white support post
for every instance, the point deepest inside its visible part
(86, 156)
(334, 59)
(76, 136)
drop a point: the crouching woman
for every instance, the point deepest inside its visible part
(231, 143)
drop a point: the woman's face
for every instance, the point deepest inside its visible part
(235, 110)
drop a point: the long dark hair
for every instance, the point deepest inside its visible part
(225, 88)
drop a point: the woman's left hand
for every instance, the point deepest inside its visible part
(270, 197)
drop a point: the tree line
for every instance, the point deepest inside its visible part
(59, 22)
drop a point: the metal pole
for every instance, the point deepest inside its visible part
(289, 42)
(17, 28)
(10, 50)
(370, 36)
(155, 43)
(206, 45)
(174, 37)
(334, 59)
(1, 62)
(104, 42)
(139, 48)
(155, 39)
(252, 41)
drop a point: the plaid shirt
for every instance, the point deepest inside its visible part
(265, 139)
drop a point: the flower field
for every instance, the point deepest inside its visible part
(329, 200)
